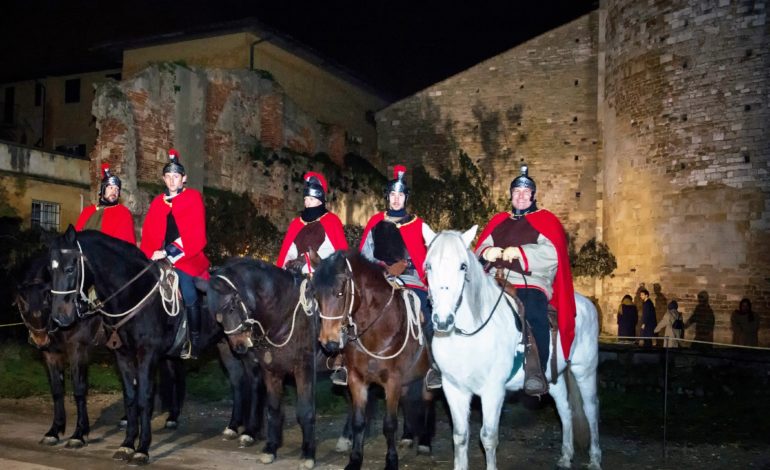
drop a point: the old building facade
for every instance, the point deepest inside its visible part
(646, 126)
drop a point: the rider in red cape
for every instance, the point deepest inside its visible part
(530, 246)
(316, 228)
(108, 215)
(411, 232)
(175, 229)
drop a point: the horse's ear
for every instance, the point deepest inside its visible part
(469, 235)
(315, 260)
(201, 284)
(428, 234)
(70, 235)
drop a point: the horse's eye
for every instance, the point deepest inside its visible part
(69, 269)
(340, 294)
(464, 267)
(427, 268)
(219, 317)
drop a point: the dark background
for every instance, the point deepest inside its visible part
(396, 47)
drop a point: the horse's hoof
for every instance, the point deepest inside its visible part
(245, 441)
(406, 443)
(423, 450)
(49, 440)
(564, 463)
(594, 466)
(123, 453)
(306, 464)
(172, 424)
(139, 458)
(266, 458)
(74, 443)
(228, 434)
(123, 424)
(343, 445)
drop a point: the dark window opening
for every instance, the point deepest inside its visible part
(78, 150)
(8, 105)
(45, 215)
(115, 76)
(38, 94)
(72, 90)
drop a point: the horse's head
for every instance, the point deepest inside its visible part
(67, 270)
(229, 310)
(335, 292)
(447, 267)
(33, 299)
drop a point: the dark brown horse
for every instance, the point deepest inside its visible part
(368, 321)
(263, 310)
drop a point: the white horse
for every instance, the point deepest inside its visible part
(475, 346)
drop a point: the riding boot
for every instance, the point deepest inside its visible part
(339, 375)
(193, 313)
(535, 383)
(433, 376)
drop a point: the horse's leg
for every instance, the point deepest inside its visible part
(236, 376)
(254, 402)
(128, 377)
(345, 441)
(390, 422)
(359, 394)
(586, 382)
(414, 412)
(54, 362)
(459, 402)
(274, 388)
(427, 420)
(145, 399)
(491, 405)
(177, 386)
(304, 377)
(78, 355)
(558, 392)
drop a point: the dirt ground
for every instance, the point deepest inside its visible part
(530, 438)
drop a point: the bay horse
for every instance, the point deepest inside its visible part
(264, 309)
(58, 346)
(133, 310)
(365, 319)
(475, 346)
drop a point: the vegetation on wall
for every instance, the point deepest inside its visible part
(593, 260)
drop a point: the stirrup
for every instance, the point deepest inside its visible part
(535, 385)
(433, 379)
(340, 376)
(187, 353)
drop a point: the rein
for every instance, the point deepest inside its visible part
(307, 306)
(462, 332)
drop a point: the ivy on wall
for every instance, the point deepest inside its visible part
(593, 260)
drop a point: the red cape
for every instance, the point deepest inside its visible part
(411, 232)
(117, 222)
(563, 298)
(332, 226)
(190, 216)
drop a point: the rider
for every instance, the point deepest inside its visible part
(395, 240)
(175, 229)
(528, 246)
(108, 215)
(304, 234)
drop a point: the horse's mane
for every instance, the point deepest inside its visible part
(481, 290)
(35, 271)
(326, 273)
(245, 272)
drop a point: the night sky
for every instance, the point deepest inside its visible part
(396, 47)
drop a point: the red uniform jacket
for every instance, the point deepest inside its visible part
(563, 298)
(190, 217)
(411, 232)
(117, 221)
(332, 226)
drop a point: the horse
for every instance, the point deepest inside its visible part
(475, 346)
(380, 338)
(58, 346)
(132, 309)
(264, 309)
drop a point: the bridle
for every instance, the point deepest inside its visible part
(246, 322)
(346, 315)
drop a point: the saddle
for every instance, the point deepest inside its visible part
(535, 381)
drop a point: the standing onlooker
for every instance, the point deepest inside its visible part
(648, 318)
(745, 325)
(673, 324)
(628, 316)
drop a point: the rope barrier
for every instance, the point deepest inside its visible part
(684, 340)
(11, 324)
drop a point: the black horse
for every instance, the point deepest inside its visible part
(58, 346)
(141, 332)
(262, 308)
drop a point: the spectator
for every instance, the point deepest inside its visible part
(648, 318)
(745, 325)
(673, 325)
(628, 316)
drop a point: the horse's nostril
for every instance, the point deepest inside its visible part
(435, 318)
(332, 346)
(450, 320)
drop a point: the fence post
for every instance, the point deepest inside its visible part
(665, 404)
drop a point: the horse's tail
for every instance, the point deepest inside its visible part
(580, 429)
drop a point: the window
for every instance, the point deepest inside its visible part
(45, 215)
(115, 76)
(8, 105)
(38, 94)
(72, 90)
(78, 150)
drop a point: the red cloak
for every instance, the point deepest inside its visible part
(563, 298)
(411, 232)
(117, 222)
(190, 216)
(332, 226)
